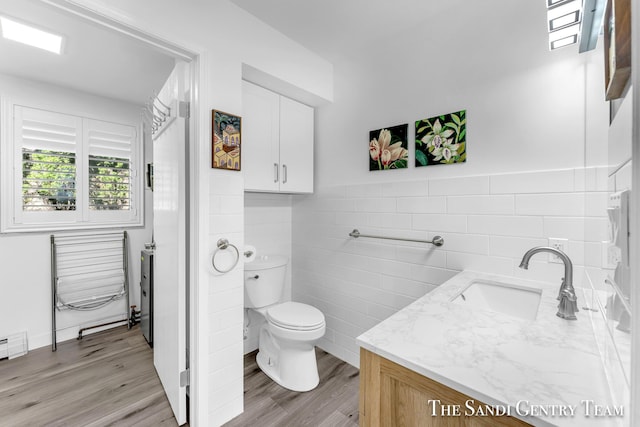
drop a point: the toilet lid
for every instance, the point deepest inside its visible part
(294, 315)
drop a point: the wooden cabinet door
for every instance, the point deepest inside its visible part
(296, 147)
(392, 395)
(260, 138)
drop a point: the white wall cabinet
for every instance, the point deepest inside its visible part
(277, 142)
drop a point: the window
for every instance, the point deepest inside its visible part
(63, 171)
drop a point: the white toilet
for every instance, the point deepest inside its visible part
(286, 349)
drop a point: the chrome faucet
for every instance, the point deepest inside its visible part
(568, 305)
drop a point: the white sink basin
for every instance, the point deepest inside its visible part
(506, 298)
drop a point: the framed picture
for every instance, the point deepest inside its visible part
(617, 47)
(388, 148)
(441, 140)
(225, 140)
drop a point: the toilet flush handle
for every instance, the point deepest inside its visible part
(256, 277)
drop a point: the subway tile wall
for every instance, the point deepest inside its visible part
(226, 300)
(610, 324)
(614, 342)
(487, 222)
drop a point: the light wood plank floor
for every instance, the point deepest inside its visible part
(105, 379)
(334, 403)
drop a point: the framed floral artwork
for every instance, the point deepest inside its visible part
(388, 148)
(226, 140)
(441, 140)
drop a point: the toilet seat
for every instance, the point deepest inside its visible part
(295, 316)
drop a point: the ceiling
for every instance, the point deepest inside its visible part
(336, 28)
(106, 63)
(95, 60)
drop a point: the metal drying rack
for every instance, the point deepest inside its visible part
(88, 271)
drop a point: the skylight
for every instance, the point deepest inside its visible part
(29, 35)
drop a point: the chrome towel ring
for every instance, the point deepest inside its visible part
(223, 244)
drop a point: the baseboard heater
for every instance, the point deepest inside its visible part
(13, 346)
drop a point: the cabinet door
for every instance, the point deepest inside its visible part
(296, 147)
(260, 138)
(392, 395)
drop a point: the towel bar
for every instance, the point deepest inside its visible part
(436, 241)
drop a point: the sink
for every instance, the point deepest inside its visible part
(513, 300)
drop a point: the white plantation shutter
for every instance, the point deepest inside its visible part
(111, 153)
(47, 147)
(47, 130)
(62, 171)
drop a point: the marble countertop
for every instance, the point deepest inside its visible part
(547, 363)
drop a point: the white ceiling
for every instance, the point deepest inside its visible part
(95, 60)
(100, 61)
(336, 28)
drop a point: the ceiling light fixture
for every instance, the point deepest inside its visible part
(564, 17)
(564, 37)
(564, 20)
(566, 41)
(554, 3)
(12, 29)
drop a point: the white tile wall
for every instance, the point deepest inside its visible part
(457, 186)
(496, 205)
(225, 301)
(534, 182)
(614, 345)
(488, 222)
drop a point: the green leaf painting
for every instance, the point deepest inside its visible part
(441, 140)
(388, 148)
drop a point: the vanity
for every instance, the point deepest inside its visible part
(485, 350)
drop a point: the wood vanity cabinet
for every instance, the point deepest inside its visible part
(277, 142)
(392, 395)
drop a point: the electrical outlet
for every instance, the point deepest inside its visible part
(611, 255)
(559, 244)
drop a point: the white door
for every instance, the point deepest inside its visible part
(170, 233)
(296, 147)
(260, 138)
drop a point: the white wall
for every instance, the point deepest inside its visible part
(225, 37)
(267, 226)
(487, 221)
(25, 257)
(615, 343)
(535, 119)
(527, 108)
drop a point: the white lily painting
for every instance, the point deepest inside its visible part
(388, 148)
(442, 139)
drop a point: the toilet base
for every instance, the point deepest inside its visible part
(291, 364)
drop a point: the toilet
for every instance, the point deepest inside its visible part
(286, 346)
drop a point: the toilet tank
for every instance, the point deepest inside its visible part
(264, 280)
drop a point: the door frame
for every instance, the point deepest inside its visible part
(196, 305)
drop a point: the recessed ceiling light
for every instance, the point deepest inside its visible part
(569, 40)
(554, 3)
(564, 20)
(23, 33)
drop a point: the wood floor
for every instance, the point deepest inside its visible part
(334, 403)
(106, 379)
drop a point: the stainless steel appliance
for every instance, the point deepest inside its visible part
(146, 295)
